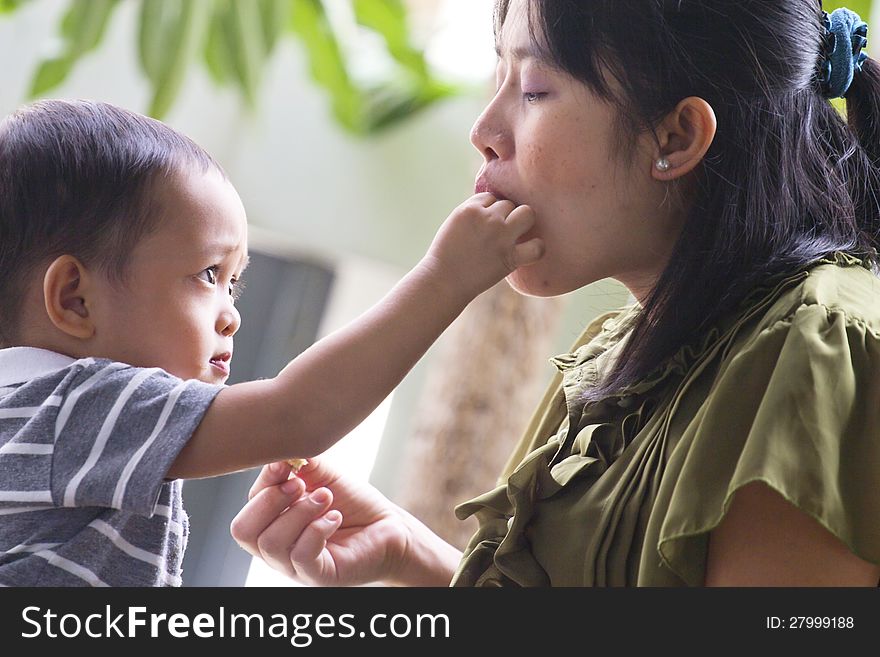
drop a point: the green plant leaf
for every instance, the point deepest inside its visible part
(81, 30)
(152, 30)
(223, 42)
(414, 88)
(249, 52)
(180, 34)
(9, 6)
(274, 18)
(861, 7)
(235, 39)
(50, 74)
(326, 63)
(235, 53)
(390, 105)
(217, 53)
(388, 19)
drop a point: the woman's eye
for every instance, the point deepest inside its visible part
(533, 96)
(209, 275)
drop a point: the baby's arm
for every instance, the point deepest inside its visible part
(335, 384)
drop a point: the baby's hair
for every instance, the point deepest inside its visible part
(76, 178)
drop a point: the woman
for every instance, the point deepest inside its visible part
(724, 429)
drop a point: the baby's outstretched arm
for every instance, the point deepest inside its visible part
(331, 387)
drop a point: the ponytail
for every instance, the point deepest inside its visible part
(863, 117)
(863, 108)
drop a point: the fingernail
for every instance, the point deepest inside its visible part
(332, 517)
(320, 496)
(292, 486)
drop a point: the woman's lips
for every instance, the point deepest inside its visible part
(482, 184)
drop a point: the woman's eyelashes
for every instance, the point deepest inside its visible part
(533, 96)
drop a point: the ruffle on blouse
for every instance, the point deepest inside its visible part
(594, 435)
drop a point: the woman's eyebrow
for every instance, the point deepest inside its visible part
(521, 53)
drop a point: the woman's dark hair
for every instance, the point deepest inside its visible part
(75, 178)
(786, 181)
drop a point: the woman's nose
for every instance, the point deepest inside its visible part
(490, 136)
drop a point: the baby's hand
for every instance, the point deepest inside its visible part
(481, 242)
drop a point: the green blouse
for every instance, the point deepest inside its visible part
(624, 491)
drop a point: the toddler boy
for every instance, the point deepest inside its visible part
(122, 244)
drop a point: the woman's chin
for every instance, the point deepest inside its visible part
(531, 281)
(527, 284)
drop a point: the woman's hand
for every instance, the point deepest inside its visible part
(323, 529)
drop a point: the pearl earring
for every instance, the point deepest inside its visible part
(663, 164)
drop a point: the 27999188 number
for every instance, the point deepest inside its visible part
(810, 622)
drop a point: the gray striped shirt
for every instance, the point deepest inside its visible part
(84, 449)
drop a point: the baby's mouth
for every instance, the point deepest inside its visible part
(222, 362)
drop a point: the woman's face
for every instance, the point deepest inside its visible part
(549, 142)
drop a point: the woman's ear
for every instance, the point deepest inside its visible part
(67, 286)
(683, 138)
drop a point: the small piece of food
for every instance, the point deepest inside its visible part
(296, 464)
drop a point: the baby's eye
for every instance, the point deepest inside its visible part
(209, 275)
(235, 287)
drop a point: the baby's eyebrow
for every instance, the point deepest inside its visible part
(221, 251)
(244, 263)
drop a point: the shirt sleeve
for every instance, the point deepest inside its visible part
(796, 408)
(117, 431)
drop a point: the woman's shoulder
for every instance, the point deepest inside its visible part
(853, 290)
(837, 287)
(790, 404)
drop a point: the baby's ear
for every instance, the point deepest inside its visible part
(66, 290)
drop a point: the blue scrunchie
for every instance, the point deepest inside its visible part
(845, 36)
